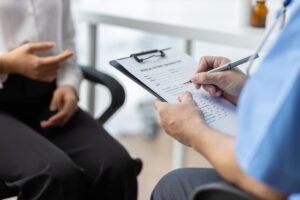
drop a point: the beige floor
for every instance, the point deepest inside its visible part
(157, 158)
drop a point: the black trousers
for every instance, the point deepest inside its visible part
(179, 184)
(80, 161)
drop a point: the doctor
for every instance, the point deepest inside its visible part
(263, 159)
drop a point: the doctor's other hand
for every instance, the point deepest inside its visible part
(227, 83)
(64, 101)
(25, 61)
(182, 121)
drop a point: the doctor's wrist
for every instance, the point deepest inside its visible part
(199, 134)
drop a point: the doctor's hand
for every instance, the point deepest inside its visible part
(64, 101)
(182, 121)
(24, 61)
(227, 83)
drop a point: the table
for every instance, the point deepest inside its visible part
(211, 21)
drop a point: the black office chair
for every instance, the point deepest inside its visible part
(117, 100)
(220, 191)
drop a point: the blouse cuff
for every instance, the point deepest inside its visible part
(72, 81)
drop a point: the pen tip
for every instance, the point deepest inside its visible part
(190, 81)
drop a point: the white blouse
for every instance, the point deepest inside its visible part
(24, 21)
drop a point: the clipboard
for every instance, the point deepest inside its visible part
(164, 73)
(136, 56)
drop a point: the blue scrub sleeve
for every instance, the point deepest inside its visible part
(268, 139)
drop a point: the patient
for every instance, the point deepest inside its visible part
(50, 148)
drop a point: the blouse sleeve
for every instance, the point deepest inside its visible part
(70, 74)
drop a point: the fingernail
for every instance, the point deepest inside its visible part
(50, 43)
(53, 108)
(218, 93)
(43, 124)
(69, 51)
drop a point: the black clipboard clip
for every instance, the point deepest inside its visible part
(140, 60)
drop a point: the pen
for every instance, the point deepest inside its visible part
(233, 65)
(229, 66)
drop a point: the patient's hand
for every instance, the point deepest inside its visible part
(24, 61)
(227, 83)
(65, 102)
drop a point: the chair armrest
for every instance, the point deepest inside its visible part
(116, 89)
(220, 191)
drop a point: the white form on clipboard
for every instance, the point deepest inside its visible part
(164, 74)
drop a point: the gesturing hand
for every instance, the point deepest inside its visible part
(65, 102)
(24, 61)
(227, 83)
(182, 121)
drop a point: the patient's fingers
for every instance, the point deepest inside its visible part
(39, 46)
(51, 60)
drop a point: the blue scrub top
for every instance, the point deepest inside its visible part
(268, 139)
